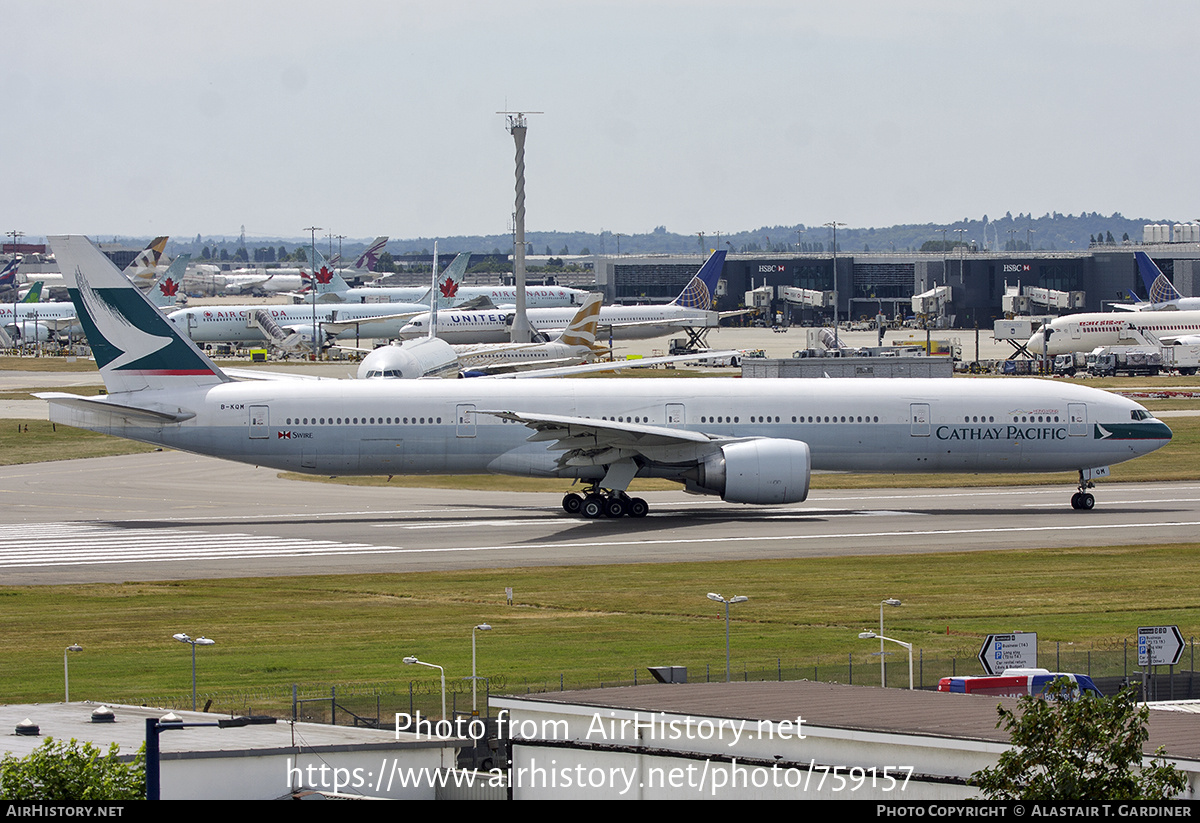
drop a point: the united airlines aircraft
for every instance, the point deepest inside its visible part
(745, 441)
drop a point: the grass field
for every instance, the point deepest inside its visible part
(599, 621)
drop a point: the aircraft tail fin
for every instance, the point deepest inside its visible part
(165, 290)
(367, 260)
(134, 344)
(1158, 288)
(34, 295)
(144, 267)
(8, 275)
(451, 279)
(581, 331)
(702, 288)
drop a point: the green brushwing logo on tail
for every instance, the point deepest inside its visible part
(126, 333)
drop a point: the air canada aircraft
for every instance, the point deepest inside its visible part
(745, 443)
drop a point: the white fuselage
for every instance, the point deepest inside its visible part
(535, 296)
(235, 324)
(40, 321)
(627, 323)
(439, 426)
(1085, 332)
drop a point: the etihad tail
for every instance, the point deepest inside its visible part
(134, 344)
(581, 331)
(702, 288)
(1158, 288)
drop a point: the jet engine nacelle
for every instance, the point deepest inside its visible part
(764, 471)
(425, 357)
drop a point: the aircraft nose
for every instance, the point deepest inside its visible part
(1034, 343)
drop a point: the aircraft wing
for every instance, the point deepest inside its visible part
(364, 325)
(136, 414)
(587, 441)
(614, 365)
(255, 374)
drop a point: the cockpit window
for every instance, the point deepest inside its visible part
(1140, 414)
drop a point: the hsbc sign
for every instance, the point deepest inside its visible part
(771, 269)
(1017, 267)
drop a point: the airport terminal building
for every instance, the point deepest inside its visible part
(872, 282)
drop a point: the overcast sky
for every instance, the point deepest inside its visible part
(365, 118)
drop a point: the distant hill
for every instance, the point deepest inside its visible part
(1050, 232)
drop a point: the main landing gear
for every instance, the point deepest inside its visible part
(1082, 500)
(604, 503)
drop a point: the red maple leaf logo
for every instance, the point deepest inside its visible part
(168, 287)
(449, 288)
(323, 276)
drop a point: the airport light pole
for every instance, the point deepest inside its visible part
(891, 601)
(74, 647)
(482, 627)
(199, 641)
(413, 661)
(312, 264)
(738, 599)
(873, 635)
(833, 224)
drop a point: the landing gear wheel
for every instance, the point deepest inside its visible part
(1087, 502)
(1075, 500)
(572, 503)
(615, 507)
(638, 507)
(592, 507)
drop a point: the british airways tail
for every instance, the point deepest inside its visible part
(134, 344)
(1158, 288)
(700, 290)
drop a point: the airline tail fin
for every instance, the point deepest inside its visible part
(34, 295)
(144, 267)
(164, 290)
(449, 280)
(8, 275)
(367, 260)
(135, 345)
(581, 331)
(1158, 288)
(700, 290)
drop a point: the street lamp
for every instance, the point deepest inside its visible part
(482, 627)
(199, 641)
(738, 599)
(891, 601)
(872, 635)
(74, 647)
(410, 661)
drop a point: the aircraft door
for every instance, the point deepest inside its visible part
(260, 423)
(1077, 425)
(464, 415)
(676, 415)
(920, 419)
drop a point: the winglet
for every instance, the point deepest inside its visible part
(135, 345)
(700, 290)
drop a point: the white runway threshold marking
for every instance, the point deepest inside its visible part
(71, 544)
(66, 544)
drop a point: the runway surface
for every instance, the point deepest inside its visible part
(168, 515)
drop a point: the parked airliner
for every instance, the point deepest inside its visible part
(1163, 296)
(691, 309)
(745, 441)
(1089, 330)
